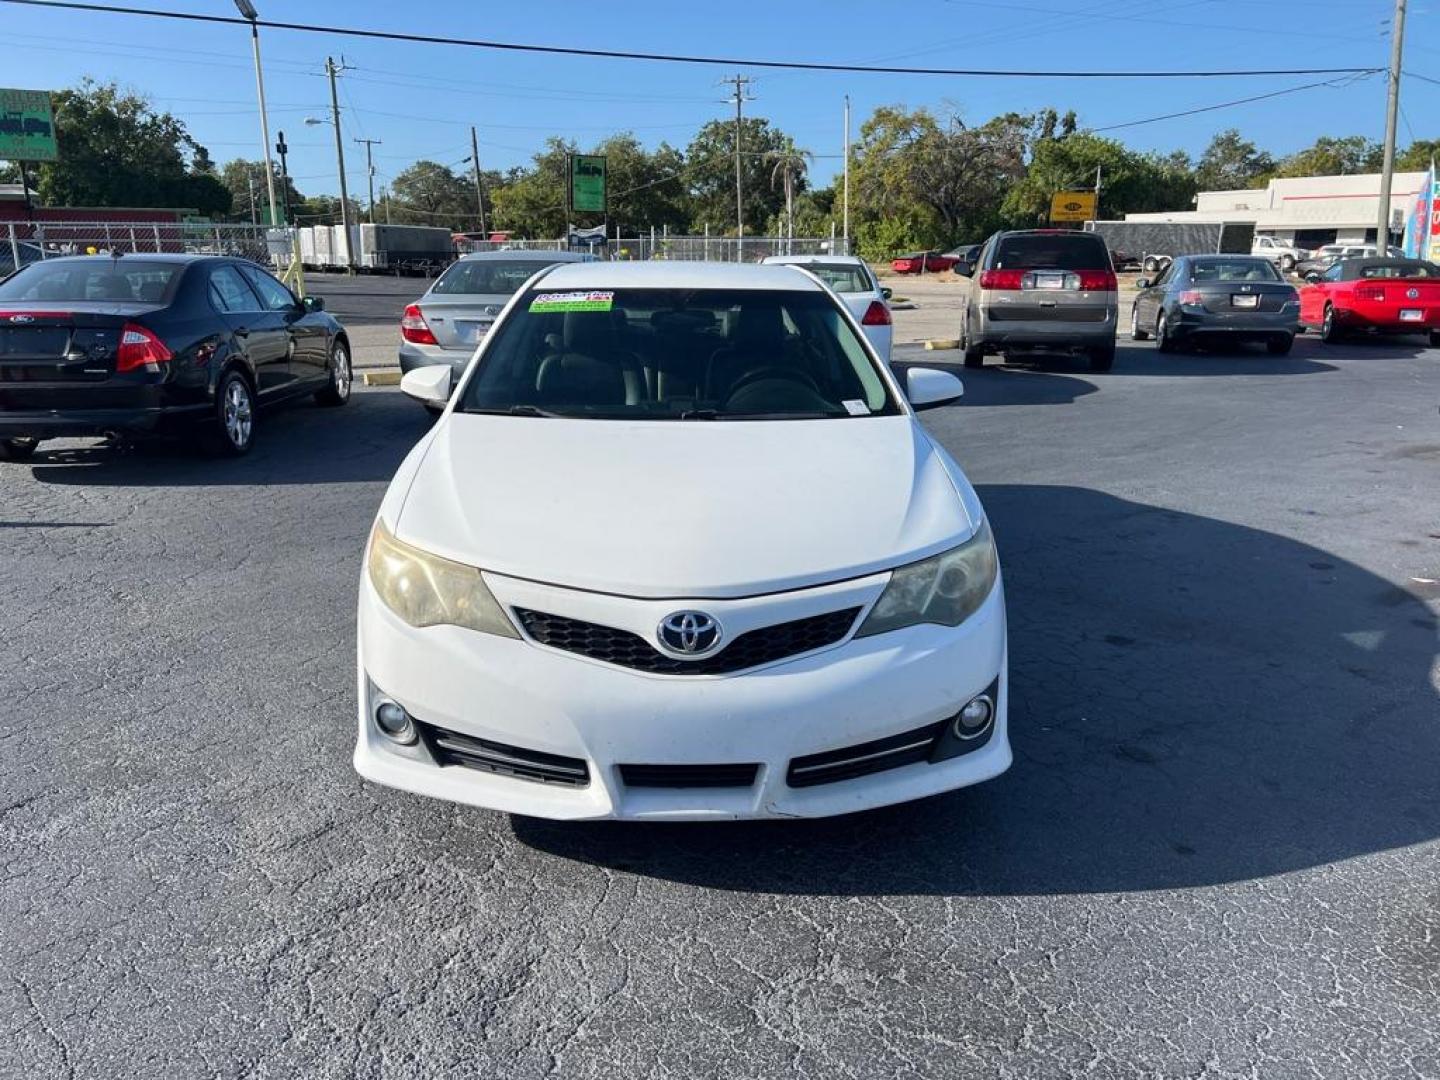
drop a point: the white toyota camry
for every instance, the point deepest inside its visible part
(678, 548)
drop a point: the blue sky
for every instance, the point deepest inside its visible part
(420, 99)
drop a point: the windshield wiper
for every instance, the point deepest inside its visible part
(514, 410)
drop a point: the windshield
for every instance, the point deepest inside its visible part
(100, 279)
(1051, 251)
(677, 354)
(1238, 270)
(840, 277)
(486, 277)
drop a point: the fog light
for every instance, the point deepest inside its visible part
(394, 723)
(974, 718)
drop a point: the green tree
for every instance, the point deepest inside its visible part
(242, 177)
(1333, 155)
(789, 167)
(1129, 182)
(711, 164)
(118, 151)
(428, 193)
(645, 188)
(1230, 163)
(1418, 156)
(531, 202)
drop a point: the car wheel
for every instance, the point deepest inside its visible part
(1136, 334)
(1280, 346)
(1329, 332)
(974, 355)
(338, 392)
(20, 449)
(1435, 339)
(233, 428)
(1163, 341)
(1102, 358)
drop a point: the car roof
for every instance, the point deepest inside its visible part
(1222, 257)
(524, 254)
(805, 260)
(150, 257)
(662, 274)
(1351, 268)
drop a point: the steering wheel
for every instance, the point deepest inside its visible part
(774, 371)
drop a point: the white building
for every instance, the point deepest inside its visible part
(1307, 210)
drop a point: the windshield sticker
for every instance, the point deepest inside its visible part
(573, 301)
(856, 408)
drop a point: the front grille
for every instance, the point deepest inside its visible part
(762, 646)
(863, 759)
(689, 776)
(452, 748)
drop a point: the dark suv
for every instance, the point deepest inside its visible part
(1041, 290)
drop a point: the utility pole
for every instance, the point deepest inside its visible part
(282, 149)
(846, 231)
(1392, 107)
(332, 69)
(475, 168)
(370, 172)
(741, 82)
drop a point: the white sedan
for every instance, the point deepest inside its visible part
(849, 276)
(678, 548)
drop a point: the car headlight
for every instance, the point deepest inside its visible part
(426, 590)
(946, 589)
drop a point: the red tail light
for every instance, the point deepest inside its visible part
(1098, 280)
(1001, 279)
(413, 327)
(877, 314)
(140, 348)
(1193, 296)
(1369, 292)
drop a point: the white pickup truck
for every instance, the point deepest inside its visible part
(1282, 253)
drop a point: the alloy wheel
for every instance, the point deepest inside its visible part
(340, 375)
(239, 414)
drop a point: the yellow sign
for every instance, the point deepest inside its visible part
(1072, 206)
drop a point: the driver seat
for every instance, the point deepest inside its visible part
(759, 341)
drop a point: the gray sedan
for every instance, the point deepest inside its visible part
(1217, 297)
(446, 324)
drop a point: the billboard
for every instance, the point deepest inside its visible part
(587, 182)
(27, 126)
(1073, 206)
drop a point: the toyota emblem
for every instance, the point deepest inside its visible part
(690, 633)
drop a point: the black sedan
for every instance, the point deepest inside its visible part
(157, 344)
(1217, 298)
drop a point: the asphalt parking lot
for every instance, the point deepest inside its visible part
(1216, 854)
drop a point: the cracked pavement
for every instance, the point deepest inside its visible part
(1216, 855)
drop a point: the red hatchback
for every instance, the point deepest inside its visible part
(922, 262)
(1387, 296)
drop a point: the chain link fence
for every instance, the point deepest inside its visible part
(23, 242)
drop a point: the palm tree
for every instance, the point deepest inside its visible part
(790, 165)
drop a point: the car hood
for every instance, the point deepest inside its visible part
(682, 508)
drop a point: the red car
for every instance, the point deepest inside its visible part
(922, 262)
(1388, 296)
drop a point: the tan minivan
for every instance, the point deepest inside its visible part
(1041, 290)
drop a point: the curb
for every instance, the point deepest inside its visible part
(381, 378)
(942, 343)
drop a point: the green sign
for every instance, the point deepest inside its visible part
(27, 126)
(587, 182)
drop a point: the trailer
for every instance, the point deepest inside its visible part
(400, 249)
(1152, 244)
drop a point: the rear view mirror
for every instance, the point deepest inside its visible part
(929, 389)
(314, 303)
(1142, 283)
(963, 268)
(430, 384)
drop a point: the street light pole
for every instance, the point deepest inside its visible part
(1392, 107)
(370, 172)
(247, 10)
(332, 69)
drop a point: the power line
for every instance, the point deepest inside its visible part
(671, 58)
(1229, 104)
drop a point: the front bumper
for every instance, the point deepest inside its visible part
(522, 694)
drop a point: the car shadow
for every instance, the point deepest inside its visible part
(297, 443)
(1193, 702)
(995, 385)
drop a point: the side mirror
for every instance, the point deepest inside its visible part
(430, 384)
(963, 268)
(929, 389)
(1313, 277)
(1142, 283)
(886, 291)
(313, 303)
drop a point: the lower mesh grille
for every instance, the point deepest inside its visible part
(862, 759)
(452, 748)
(689, 776)
(762, 646)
